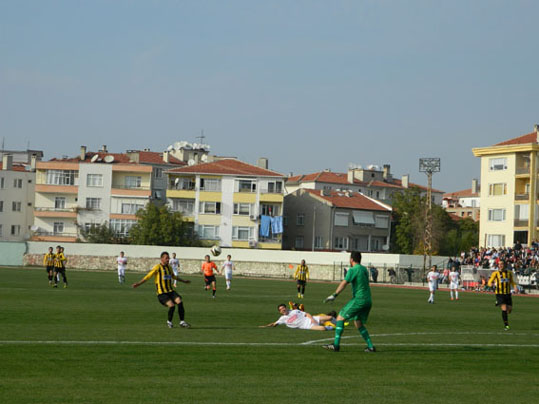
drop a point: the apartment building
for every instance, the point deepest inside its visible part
(465, 203)
(336, 221)
(229, 202)
(97, 187)
(372, 181)
(509, 191)
(17, 182)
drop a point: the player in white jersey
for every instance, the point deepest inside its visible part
(454, 278)
(122, 263)
(174, 263)
(228, 266)
(432, 279)
(300, 319)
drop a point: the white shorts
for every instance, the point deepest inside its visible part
(121, 271)
(453, 285)
(317, 319)
(433, 286)
(175, 270)
(228, 274)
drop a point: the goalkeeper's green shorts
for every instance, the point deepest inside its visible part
(356, 310)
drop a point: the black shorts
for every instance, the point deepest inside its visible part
(49, 268)
(209, 279)
(504, 299)
(165, 297)
(60, 270)
(301, 283)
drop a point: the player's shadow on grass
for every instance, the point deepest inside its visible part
(427, 350)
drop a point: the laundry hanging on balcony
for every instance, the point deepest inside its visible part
(277, 225)
(265, 223)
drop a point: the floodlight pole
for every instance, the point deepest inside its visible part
(428, 166)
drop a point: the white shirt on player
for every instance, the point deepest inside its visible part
(454, 280)
(296, 319)
(122, 262)
(227, 266)
(432, 278)
(174, 263)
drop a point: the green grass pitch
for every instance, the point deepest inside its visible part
(99, 342)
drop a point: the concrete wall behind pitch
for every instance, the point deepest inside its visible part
(12, 253)
(249, 262)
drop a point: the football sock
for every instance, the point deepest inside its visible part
(303, 290)
(213, 292)
(504, 316)
(365, 334)
(456, 294)
(338, 332)
(431, 298)
(171, 312)
(65, 279)
(227, 284)
(181, 311)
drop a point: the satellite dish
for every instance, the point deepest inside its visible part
(34, 228)
(176, 181)
(191, 162)
(204, 157)
(385, 247)
(170, 148)
(109, 159)
(94, 158)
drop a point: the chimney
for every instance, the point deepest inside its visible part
(262, 163)
(350, 175)
(83, 153)
(104, 149)
(166, 157)
(474, 186)
(7, 162)
(33, 160)
(387, 174)
(405, 179)
(134, 156)
(536, 130)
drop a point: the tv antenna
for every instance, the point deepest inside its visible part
(201, 137)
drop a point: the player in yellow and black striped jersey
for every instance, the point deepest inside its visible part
(301, 276)
(48, 263)
(503, 280)
(167, 296)
(60, 266)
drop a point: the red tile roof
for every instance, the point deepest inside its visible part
(466, 193)
(157, 158)
(145, 157)
(342, 178)
(524, 139)
(15, 167)
(351, 200)
(227, 167)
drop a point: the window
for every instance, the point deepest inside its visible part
(377, 194)
(326, 187)
(58, 227)
(270, 210)
(208, 232)
(133, 182)
(496, 215)
(184, 206)
(495, 240)
(0, 230)
(497, 189)
(381, 222)
(497, 164)
(121, 226)
(242, 233)
(242, 209)
(275, 187)
(15, 229)
(522, 212)
(59, 202)
(209, 184)
(94, 180)
(318, 242)
(93, 203)
(364, 218)
(158, 173)
(298, 243)
(185, 184)
(341, 219)
(1, 182)
(1, 206)
(300, 219)
(17, 183)
(61, 177)
(341, 243)
(246, 185)
(131, 208)
(16, 206)
(209, 208)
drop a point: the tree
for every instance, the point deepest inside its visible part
(102, 234)
(159, 226)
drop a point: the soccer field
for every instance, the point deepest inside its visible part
(100, 342)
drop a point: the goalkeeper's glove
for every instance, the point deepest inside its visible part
(330, 298)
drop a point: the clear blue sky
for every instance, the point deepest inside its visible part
(308, 84)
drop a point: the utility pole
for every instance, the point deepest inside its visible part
(428, 166)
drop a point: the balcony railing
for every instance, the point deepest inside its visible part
(55, 234)
(49, 209)
(123, 186)
(521, 223)
(522, 197)
(522, 170)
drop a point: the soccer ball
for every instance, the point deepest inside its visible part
(215, 250)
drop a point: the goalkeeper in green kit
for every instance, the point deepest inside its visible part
(356, 309)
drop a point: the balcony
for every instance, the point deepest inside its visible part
(126, 190)
(57, 189)
(522, 171)
(521, 223)
(55, 212)
(54, 236)
(522, 197)
(123, 186)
